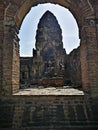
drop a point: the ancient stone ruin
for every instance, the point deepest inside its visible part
(50, 65)
(51, 112)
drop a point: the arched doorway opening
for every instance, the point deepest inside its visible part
(70, 39)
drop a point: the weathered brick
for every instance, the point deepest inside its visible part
(48, 112)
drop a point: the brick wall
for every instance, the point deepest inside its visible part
(73, 68)
(48, 112)
(51, 112)
(1, 43)
(15, 67)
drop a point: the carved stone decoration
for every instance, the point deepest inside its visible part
(89, 22)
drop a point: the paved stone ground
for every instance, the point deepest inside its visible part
(50, 91)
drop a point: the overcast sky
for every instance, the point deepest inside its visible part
(67, 23)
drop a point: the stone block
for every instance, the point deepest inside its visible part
(54, 82)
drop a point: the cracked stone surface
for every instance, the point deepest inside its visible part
(50, 91)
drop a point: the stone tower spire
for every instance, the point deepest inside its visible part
(48, 31)
(49, 45)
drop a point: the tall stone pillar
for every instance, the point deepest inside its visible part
(1, 42)
(9, 50)
(95, 5)
(10, 59)
(15, 61)
(89, 58)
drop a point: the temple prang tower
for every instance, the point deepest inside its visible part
(49, 45)
(49, 56)
(69, 112)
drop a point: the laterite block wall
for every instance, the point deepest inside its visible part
(48, 112)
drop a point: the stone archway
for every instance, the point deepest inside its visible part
(13, 13)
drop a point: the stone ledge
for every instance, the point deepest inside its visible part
(49, 91)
